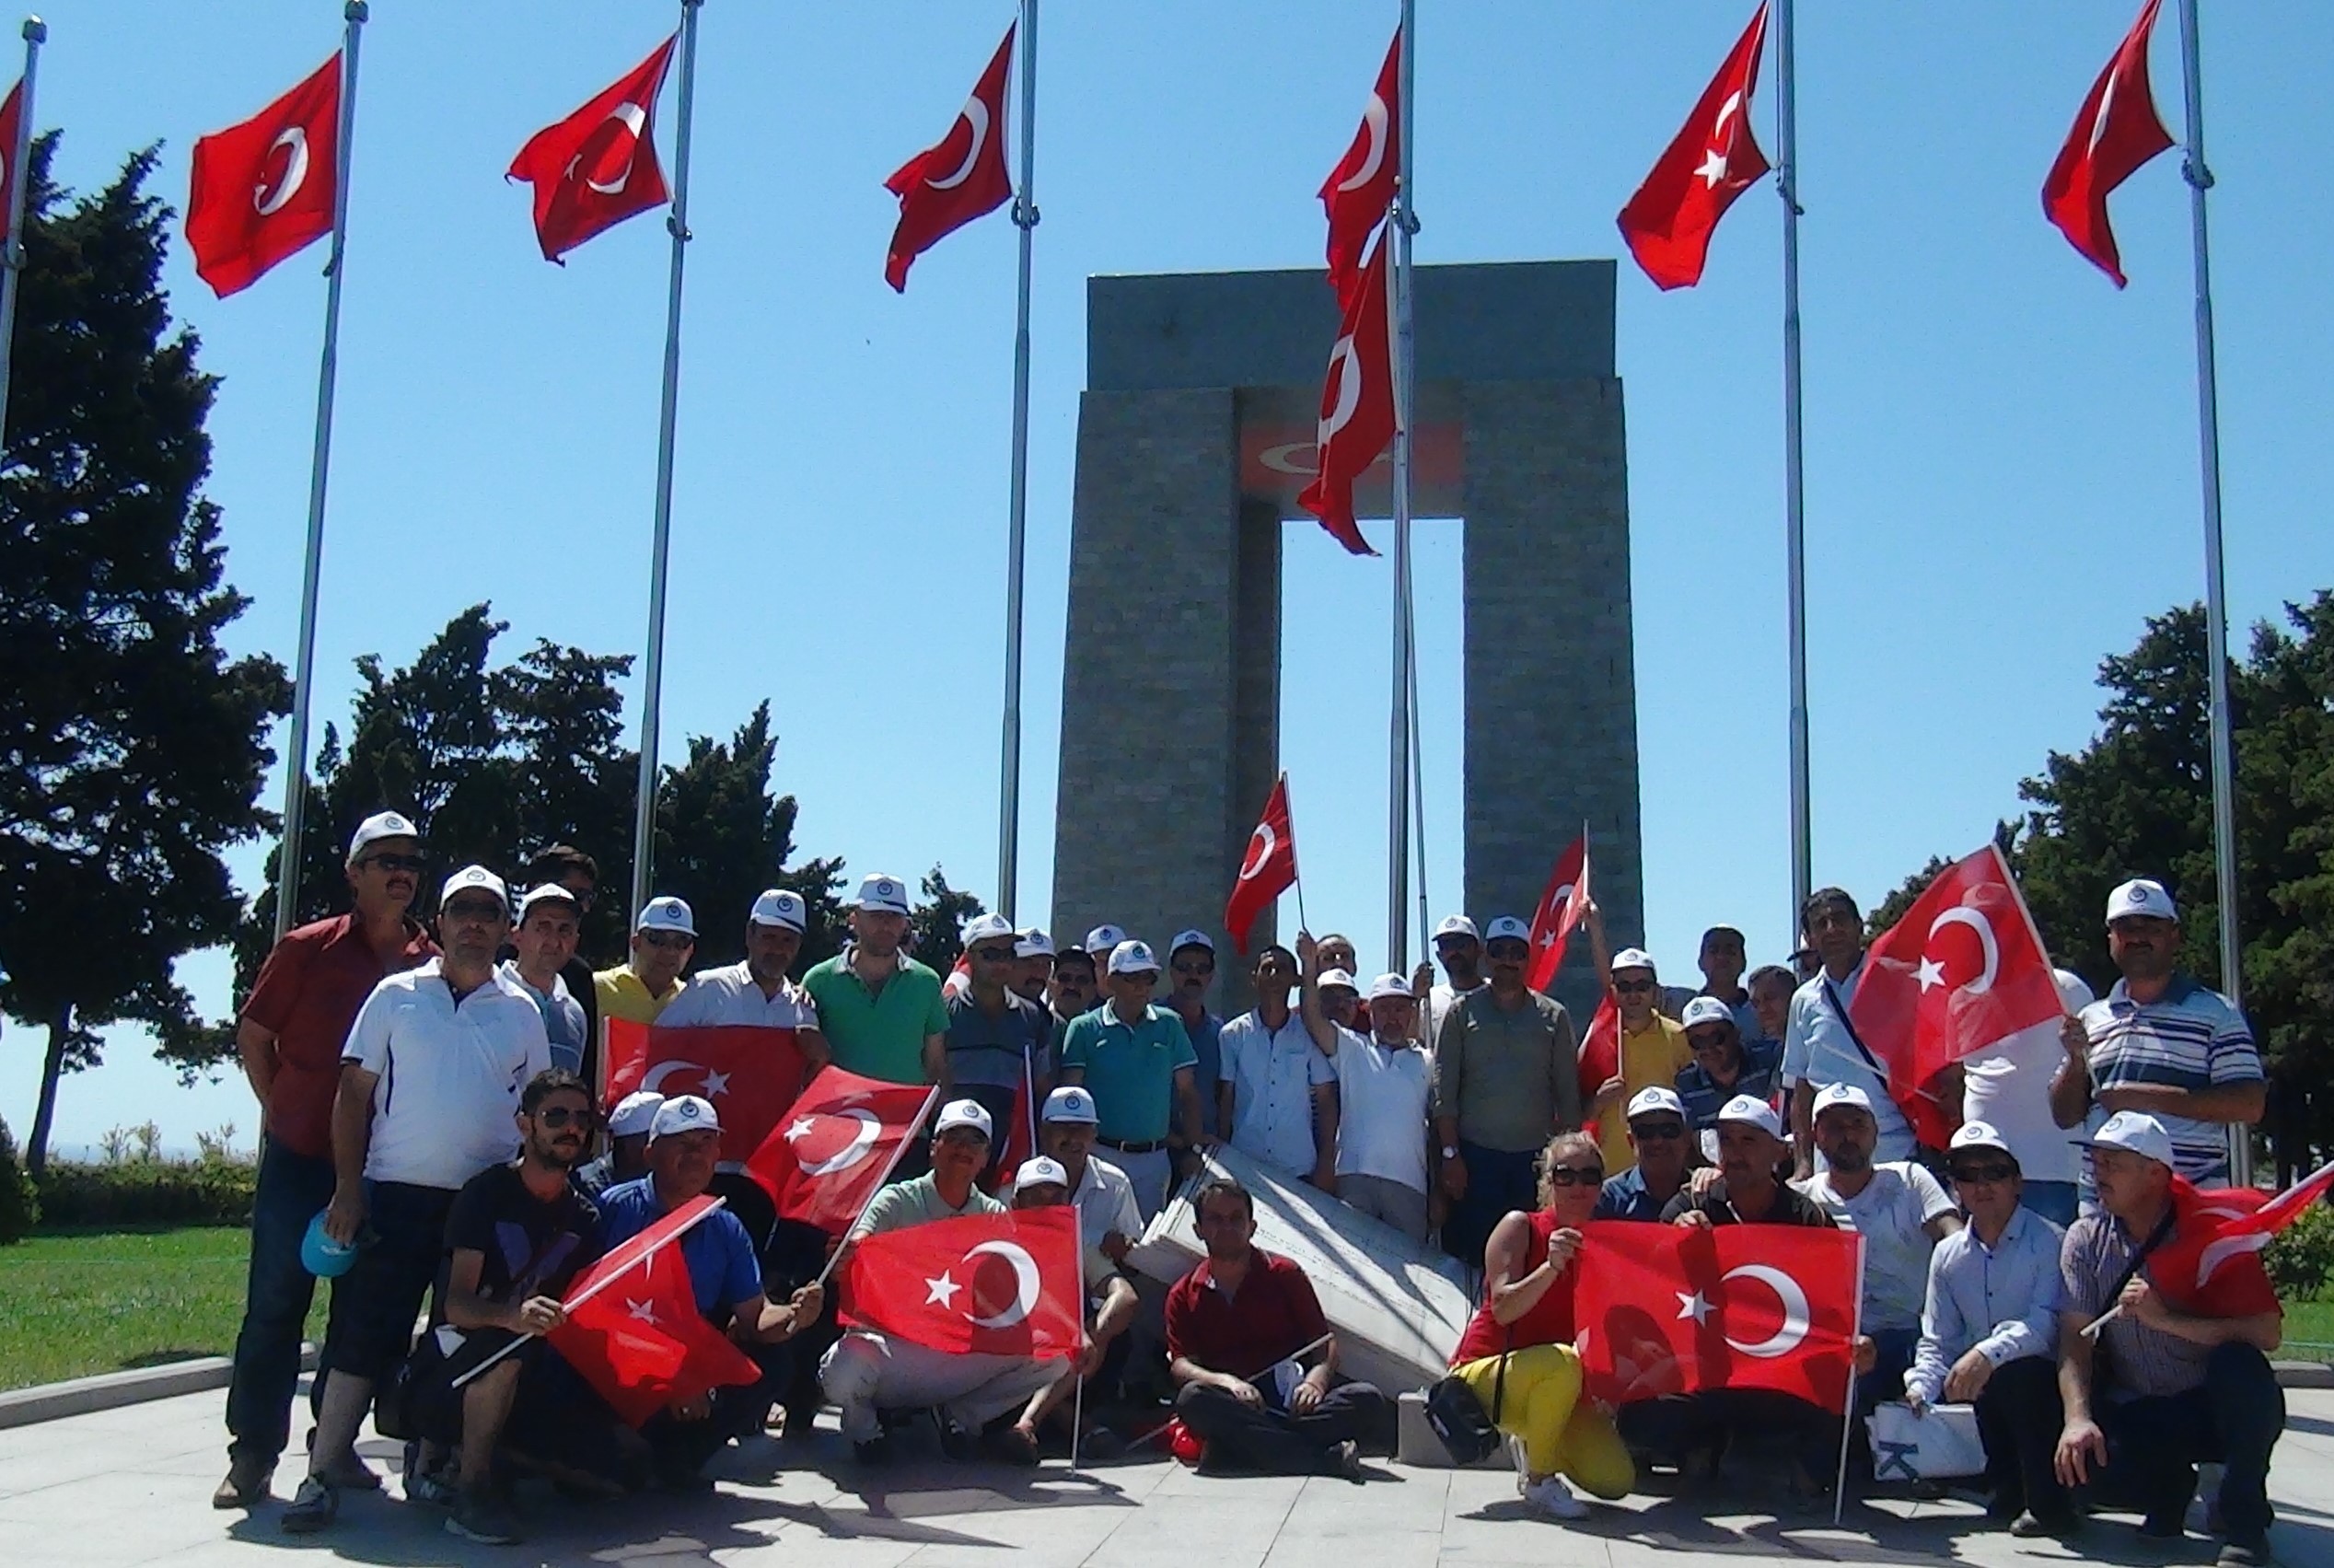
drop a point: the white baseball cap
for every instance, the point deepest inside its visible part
(1457, 925)
(1070, 1103)
(781, 906)
(668, 913)
(1508, 925)
(1390, 984)
(1979, 1136)
(1033, 944)
(1753, 1110)
(546, 893)
(1833, 1095)
(1134, 958)
(2141, 896)
(635, 1113)
(1703, 1010)
(883, 892)
(1633, 958)
(1040, 1172)
(1655, 1101)
(683, 1113)
(963, 1113)
(988, 928)
(379, 825)
(470, 877)
(2135, 1131)
(1336, 977)
(1193, 938)
(1104, 937)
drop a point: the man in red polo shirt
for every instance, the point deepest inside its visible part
(290, 1036)
(1240, 1328)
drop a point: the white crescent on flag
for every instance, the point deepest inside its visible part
(265, 203)
(1795, 1311)
(976, 115)
(630, 116)
(1025, 1284)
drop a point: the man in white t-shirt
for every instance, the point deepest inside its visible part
(1900, 1211)
(1459, 949)
(2007, 1086)
(757, 990)
(1384, 1082)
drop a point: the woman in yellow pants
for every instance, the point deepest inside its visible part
(1526, 1316)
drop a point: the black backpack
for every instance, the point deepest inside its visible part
(1468, 1433)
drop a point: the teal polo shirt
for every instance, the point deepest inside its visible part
(877, 1034)
(1131, 1068)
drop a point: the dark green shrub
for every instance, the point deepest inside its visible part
(19, 1206)
(148, 1192)
(2301, 1259)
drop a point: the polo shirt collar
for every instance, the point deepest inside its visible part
(2181, 986)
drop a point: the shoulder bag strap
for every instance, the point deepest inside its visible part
(1840, 1011)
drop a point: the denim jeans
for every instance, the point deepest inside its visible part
(292, 1188)
(2234, 1417)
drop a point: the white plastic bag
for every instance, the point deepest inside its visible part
(1942, 1443)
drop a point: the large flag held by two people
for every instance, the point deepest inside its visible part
(749, 1072)
(995, 1284)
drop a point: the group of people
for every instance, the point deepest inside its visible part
(434, 1099)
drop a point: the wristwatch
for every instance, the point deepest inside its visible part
(1450, 1151)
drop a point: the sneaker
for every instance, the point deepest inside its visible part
(482, 1517)
(1102, 1445)
(2252, 1553)
(955, 1444)
(1345, 1459)
(1552, 1497)
(312, 1507)
(2165, 1527)
(1009, 1445)
(437, 1489)
(246, 1483)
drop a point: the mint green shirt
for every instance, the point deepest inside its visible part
(878, 1035)
(1130, 1068)
(904, 1204)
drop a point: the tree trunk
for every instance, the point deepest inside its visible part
(36, 1145)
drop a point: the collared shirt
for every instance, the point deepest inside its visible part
(1272, 1073)
(2187, 1039)
(307, 994)
(563, 1017)
(1624, 1197)
(904, 1204)
(1818, 1048)
(1105, 1201)
(2003, 1300)
(1758, 1077)
(877, 1034)
(723, 1271)
(1382, 1095)
(2133, 1360)
(1791, 1206)
(1652, 1056)
(1273, 1316)
(448, 1075)
(1131, 1069)
(1511, 1079)
(730, 995)
(1892, 1214)
(1207, 1047)
(622, 994)
(1440, 999)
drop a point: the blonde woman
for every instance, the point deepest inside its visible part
(1527, 1318)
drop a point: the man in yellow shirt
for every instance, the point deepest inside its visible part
(641, 989)
(1652, 1052)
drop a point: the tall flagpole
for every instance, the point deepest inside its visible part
(677, 223)
(36, 33)
(1795, 489)
(1397, 825)
(1025, 217)
(287, 874)
(2216, 615)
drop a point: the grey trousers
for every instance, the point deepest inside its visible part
(1403, 1207)
(866, 1372)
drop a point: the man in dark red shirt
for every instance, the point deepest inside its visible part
(290, 1036)
(1240, 1328)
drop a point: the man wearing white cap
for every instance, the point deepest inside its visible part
(1820, 1043)
(455, 1042)
(1725, 1064)
(1139, 1064)
(1662, 1149)
(1752, 1159)
(551, 920)
(640, 989)
(867, 1371)
(1033, 972)
(1111, 1306)
(627, 1155)
(289, 1037)
(1191, 970)
(2166, 1381)
(1902, 1214)
(1990, 1332)
(1384, 1085)
(1459, 949)
(1108, 1214)
(1653, 1049)
(2161, 1043)
(1278, 1086)
(880, 1009)
(1103, 940)
(757, 990)
(1000, 1048)
(1506, 1080)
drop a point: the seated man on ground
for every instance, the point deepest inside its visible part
(2169, 1381)
(865, 1372)
(723, 1274)
(1111, 1307)
(1239, 1326)
(1989, 1334)
(1516, 1354)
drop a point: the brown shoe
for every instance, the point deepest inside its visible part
(246, 1486)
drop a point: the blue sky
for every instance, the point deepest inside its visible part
(2002, 473)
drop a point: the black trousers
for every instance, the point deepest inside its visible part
(681, 1447)
(1274, 1442)
(2019, 1417)
(2233, 1418)
(1674, 1425)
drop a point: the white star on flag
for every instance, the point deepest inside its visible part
(1713, 168)
(645, 1311)
(1693, 1306)
(1548, 939)
(1932, 974)
(716, 1084)
(803, 1128)
(943, 1291)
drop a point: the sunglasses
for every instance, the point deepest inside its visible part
(993, 955)
(1981, 1173)
(472, 909)
(667, 939)
(1632, 987)
(397, 862)
(1642, 1131)
(1195, 972)
(1576, 1175)
(558, 1116)
(1509, 951)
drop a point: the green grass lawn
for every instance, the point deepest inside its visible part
(103, 1301)
(2309, 1330)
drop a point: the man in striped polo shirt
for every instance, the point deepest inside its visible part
(2161, 1044)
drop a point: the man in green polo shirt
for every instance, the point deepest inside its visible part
(1138, 1060)
(879, 1009)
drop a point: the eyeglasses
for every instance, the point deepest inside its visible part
(1981, 1173)
(1706, 1040)
(1509, 951)
(668, 939)
(397, 862)
(1632, 987)
(993, 955)
(558, 1116)
(472, 909)
(1195, 972)
(1642, 1131)
(1576, 1175)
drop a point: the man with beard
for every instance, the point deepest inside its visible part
(880, 1009)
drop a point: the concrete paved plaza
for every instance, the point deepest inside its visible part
(133, 1485)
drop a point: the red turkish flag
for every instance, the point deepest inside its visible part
(1357, 407)
(1961, 971)
(2210, 1265)
(1360, 190)
(1713, 159)
(1673, 1309)
(1266, 870)
(749, 1072)
(1563, 905)
(827, 1156)
(1599, 1054)
(598, 166)
(989, 1285)
(2114, 132)
(634, 1330)
(265, 189)
(958, 179)
(11, 120)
